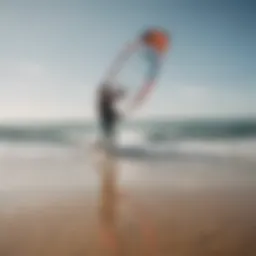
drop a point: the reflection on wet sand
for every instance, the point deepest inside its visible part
(217, 219)
(108, 204)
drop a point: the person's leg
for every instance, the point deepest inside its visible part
(108, 132)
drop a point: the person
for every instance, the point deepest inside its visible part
(108, 115)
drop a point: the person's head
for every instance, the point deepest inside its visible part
(106, 86)
(121, 92)
(114, 89)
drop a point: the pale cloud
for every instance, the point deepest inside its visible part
(180, 101)
(192, 100)
(28, 90)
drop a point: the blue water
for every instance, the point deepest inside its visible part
(208, 137)
(154, 131)
(48, 156)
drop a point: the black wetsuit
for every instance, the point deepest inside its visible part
(107, 112)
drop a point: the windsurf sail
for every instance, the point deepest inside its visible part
(137, 67)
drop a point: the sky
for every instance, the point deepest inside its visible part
(53, 54)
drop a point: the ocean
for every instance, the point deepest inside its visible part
(141, 139)
(57, 155)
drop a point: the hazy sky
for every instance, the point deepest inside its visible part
(54, 53)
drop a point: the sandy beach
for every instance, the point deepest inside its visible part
(129, 208)
(169, 86)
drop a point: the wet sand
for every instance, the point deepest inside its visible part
(135, 219)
